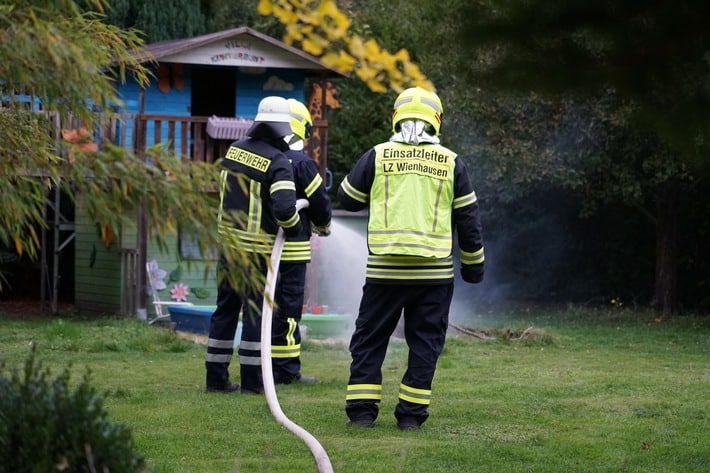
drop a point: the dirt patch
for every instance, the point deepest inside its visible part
(32, 308)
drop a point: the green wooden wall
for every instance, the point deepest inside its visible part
(97, 281)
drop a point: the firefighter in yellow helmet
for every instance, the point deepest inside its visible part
(289, 293)
(418, 194)
(257, 196)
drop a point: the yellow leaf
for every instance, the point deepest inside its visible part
(366, 73)
(356, 47)
(264, 7)
(329, 10)
(18, 245)
(376, 86)
(312, 47)
(372, 48)
(341, 61)
(402, 55)
(295, 32)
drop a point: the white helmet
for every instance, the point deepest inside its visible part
(273, 113)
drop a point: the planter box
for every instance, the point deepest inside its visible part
(196, 319)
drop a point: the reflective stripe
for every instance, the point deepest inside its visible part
(476, 257)
(214, 343)
(250, 360)
(415, 395)
(409, 267)
(254, 218)
(404, 274)
(465, 200)
(248, 241)
(352, 192)
(364, 391)
(436, 206)
(290, 351)
(290, 256)
(407, 232)
(290, 335)
(296, 251)
(282, 186)
(291, 222)
(222, 192)
(245, 345)
(212, 358)
(314, 185)
(409, 261)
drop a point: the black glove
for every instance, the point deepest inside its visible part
(472, 274)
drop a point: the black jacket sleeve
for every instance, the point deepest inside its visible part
(283, 195)
(354, 191)
(467, 222)
(310, 186)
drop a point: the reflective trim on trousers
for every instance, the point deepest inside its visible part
(212, 358)
(289, 351)
(364, 391)
(250, 360)
(224, 344)
(414, 395)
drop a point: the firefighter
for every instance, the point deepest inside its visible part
(290, 287)
(257, 195)
(417, 193)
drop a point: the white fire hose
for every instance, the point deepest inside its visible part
(317, 449)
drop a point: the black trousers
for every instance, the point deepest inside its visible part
(425, 310)
(223, 325)
(286, 332)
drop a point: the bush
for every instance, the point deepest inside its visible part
(47, 427)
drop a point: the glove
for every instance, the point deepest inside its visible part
(321, 231)
(472, 274)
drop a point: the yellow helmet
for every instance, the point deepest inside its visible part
(418, 104)
(301, 121)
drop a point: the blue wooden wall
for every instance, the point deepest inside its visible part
(250, 89)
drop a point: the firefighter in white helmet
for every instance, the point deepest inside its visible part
(418, 194)
(290, 287)
(257, 196)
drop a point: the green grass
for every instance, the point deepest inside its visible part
(584, 391)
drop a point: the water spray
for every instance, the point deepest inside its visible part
(317, 449)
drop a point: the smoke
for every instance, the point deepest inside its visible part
(337, 274)
(338, 265)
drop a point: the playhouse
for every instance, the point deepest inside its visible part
(204, 96)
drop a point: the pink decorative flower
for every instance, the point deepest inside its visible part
(179, 292)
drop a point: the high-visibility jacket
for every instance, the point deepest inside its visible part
(309, 186)
(257, 195)
(417, 195)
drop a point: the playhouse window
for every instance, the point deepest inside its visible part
(190, 250)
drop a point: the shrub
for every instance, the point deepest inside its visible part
(47, 427)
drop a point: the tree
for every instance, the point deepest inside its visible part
(323, 30)
(64, 61)
(651, 56)
(160, 21)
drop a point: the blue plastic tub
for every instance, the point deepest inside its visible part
(196, 319)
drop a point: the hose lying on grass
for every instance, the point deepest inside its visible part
(319, 453)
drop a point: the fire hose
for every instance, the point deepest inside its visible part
(317, 449)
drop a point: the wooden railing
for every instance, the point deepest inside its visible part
(183, 137)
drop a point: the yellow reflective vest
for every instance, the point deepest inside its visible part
(411, 201)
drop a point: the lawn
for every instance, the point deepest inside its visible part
(581, 390)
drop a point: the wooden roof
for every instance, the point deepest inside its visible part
(241, 47)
